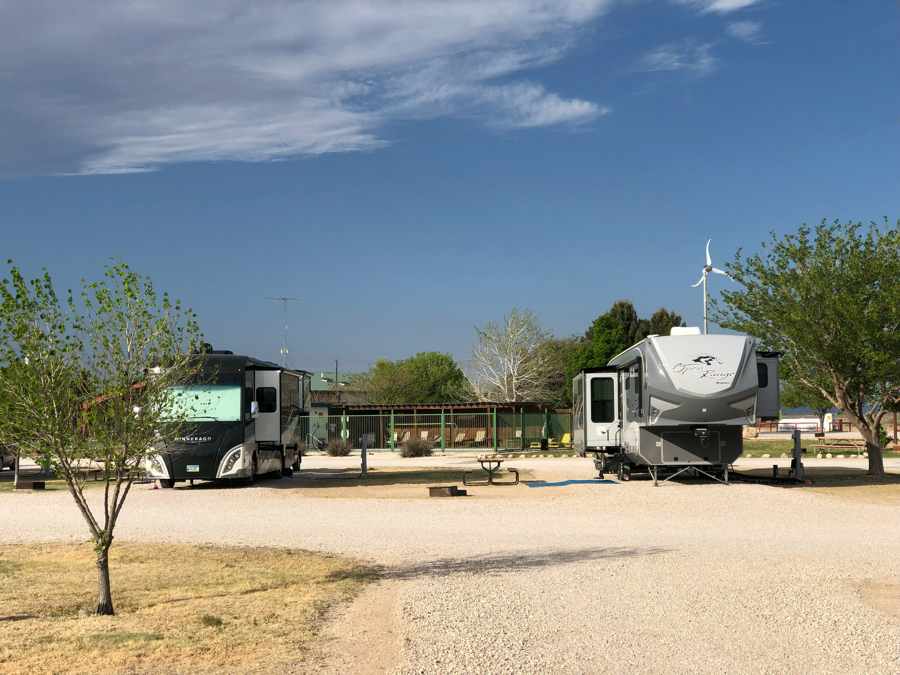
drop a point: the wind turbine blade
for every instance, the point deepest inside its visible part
(708, 259)
(716, 270)
(702, 276)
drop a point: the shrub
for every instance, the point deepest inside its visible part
(211, 620)
(338, 448)
(415, 447)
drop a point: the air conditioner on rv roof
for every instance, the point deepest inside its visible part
(685, 330)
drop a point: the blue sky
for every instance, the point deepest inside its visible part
(411, 170)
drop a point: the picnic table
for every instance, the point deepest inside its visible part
(491, 465)
(839, 444)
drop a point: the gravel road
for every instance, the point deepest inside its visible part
(584, 578)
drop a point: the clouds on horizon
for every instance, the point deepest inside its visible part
(134, 86)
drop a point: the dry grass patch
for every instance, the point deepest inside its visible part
(179, 608)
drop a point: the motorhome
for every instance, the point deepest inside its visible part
(242, 419)
(675, 402)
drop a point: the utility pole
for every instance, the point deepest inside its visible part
(284, 300)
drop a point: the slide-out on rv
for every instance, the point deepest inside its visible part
(243, 420)
(673, 402)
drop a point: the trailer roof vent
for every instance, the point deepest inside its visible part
(684, 330)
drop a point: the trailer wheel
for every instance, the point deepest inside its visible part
(285, 469)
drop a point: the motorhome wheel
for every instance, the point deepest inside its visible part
(166, 482)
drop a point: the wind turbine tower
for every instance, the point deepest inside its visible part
(704, 279)
(284, 300)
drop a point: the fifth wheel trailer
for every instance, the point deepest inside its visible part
(673, 402)
(243, 420)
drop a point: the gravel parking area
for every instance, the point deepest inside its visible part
(580, 578)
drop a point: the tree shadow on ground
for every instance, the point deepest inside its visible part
(827, 477)
(331, 478)
(511, 562)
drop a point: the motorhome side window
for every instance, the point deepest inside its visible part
(267, 399)
(602, 401)
(248, 390)
(762, 373)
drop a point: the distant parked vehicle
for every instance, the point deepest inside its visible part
(7, 457)
(244, 421)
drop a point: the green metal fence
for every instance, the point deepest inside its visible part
(444, 430)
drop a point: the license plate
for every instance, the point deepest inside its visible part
(193, 468)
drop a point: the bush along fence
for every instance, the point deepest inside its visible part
(446, 430)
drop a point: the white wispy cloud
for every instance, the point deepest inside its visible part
(718, 6)
(748, 31)
(131, 86)
(687, 55)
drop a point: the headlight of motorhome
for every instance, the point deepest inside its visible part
(156, 467)
(232, 464)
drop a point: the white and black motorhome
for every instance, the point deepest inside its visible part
(243, 420)
(673, 402)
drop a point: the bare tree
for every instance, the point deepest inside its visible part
(508, 362)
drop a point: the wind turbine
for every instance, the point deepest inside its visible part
(707, 268)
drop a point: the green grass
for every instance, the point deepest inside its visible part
(775, 447)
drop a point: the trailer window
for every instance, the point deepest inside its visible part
(762, 374)
(602, 401)
(267, 398)
(634, 389)
(578, 404)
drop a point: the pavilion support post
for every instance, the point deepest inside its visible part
(392, 436)
(443, 430)
(494, 425)
(522, 426)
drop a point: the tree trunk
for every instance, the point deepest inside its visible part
(876, 459)
(104, 592)
(16, 471)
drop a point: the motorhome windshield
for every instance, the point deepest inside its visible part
(210, 402)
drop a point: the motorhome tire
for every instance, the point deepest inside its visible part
(166, 483)
(285, 469)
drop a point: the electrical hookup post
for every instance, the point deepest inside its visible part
(798, 472)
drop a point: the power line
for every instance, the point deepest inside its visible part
(284, 300)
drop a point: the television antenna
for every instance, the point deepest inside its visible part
(707, 269)
(284, 300)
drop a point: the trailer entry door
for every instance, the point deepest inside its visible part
(601, 410)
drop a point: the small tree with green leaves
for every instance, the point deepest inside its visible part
(828, 298)
(88, 379)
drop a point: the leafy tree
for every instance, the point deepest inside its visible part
(663, 321)
(90, 380)
(829, 298)
(558, 354)
(427, 377)
(508, 360)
